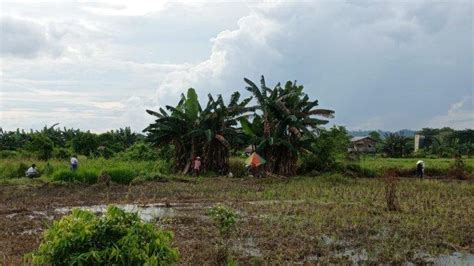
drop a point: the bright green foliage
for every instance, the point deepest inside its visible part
(122, 175)
(117, 238)
(224, 218)
(78, 176)
(140, 151)
(329, 147)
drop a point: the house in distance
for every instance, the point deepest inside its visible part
(362, 145)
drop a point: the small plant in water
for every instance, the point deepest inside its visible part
(225, 219)
(116, 238)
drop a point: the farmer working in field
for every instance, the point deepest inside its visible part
(74, 163)
(420, 168)
(197, 166)
(32, 171)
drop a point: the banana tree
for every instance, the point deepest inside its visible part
(194, 131)
(289, 120)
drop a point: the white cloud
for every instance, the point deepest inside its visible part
(460, 115)
(99, 65)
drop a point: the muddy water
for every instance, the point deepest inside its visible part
(247, 246)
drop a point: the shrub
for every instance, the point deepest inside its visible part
(21, 169)
(163, 167)
(48, 169)
(78, 176)
(61, 153)
(121, 175)
(140, 151)
(8, 171)
(224, 218)
(151, 176)
(41, 145)
(237, 167)
(116, 238)
(7, 154)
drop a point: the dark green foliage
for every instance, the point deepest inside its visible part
(21, 169)
(286, 126)
(327, 148)
(195, 131)
(8, 154)
(140, 151)
(41, 146)
(395, 145)
(117, 238)
(82, 176)
(65, 141)
(85, 143)
(61, 153)
(122, 175)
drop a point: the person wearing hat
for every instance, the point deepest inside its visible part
(420, 168)
(197, 166)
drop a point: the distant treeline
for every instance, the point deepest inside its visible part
(436, 142)
(56, 142)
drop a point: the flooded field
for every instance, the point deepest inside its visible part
(311, 223)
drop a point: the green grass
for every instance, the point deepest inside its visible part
(379, 165)
(120, 171)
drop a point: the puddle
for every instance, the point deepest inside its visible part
(456, 258)
(352, 255)
(248, 247)
(146, 212)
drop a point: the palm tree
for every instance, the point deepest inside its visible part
(289, 122)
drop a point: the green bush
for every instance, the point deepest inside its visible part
(140, 151)
(7, 154)
(224, 218)
(8, 171)
(21, 169)
(61, 153)
(78, 176)
(151, 176)
(48, 169)
(116, 238)
(121, 175)
(237, 167)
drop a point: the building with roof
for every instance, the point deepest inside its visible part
(362, 144)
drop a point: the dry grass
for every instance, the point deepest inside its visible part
(281, 222)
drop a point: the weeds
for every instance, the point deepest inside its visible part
(391, 194)
(117, 238)
(225, 219)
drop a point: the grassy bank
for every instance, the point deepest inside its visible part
(433, 167)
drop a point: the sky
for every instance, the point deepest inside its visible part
(98, 65)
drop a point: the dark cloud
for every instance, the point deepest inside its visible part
(26, 38)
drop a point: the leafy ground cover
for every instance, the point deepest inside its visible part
(301, 220)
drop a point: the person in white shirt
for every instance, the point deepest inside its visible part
(32, 171)
(74, 163)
